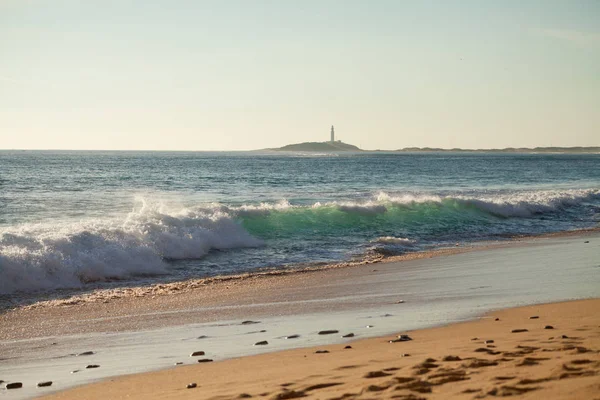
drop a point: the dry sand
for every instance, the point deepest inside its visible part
(441, 363)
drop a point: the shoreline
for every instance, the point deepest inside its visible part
(484, 357)
(69, 297)
(148, 333)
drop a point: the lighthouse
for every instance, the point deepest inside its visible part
(332, 134)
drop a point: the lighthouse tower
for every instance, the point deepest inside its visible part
(332, 134)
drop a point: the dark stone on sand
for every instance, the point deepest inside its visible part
(451, 358)
(348, 335)
(489, 341)
(192, 385)
(85, 353)
(348, 347)
(44, 384)
(250, 322)
(328, 332)
(548, 327)
(497, 319)
(405, 355)
(261, 343)
(205, 360)
(244, 396)
(475, 338)
(564, 337)
(75, 371)
(202, 337)
(178, 363)
(92, 366)
(292, 337)
(369, 326)
(587, 241)
(14, 385)
(400, 302)
(519, 330)
(321, 351)
(401, 338)
(534, 317)
(197, 353)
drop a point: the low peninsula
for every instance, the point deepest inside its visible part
(319, 147)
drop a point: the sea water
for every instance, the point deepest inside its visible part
(75, 219)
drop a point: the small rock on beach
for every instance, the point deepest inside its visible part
(197, 353)
(44, 384)
(348, 335)
(328, 332)
(191, 385)
(14, 385)
(92, 366)
(519, 330)
(205, 360)
(261, 343)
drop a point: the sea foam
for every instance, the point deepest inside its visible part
(68, 255)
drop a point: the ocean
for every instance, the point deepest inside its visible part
(74, 219)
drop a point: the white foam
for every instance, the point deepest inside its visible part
(68, 255)
(395, 240)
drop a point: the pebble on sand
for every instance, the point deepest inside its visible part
(292, 337)
(534, 317)
(348, 347)
(348, 335)
(401, 338)
(328, 332)
(250, 322)
(44, 384)
(205, 360)
(14, 385)
(548, 327)
(191, 385)
(91, 366)
(400, 302)
(369, 326)
(75, 371)
(497, 319)
(197, 353)
(519, 330)
(85, 353)
(321, 351)
(489, 341)
(261, 343)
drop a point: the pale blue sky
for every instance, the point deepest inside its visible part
(235, 75)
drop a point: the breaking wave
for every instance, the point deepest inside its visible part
(69, 255)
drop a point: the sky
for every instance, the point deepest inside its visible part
(251, 74)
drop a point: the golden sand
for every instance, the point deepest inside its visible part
(451, 362)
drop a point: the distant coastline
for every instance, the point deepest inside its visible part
(339, 146)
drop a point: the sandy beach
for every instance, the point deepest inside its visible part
(227, 319)
(545, 351)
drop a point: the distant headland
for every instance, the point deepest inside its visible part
(337, 145)
(340, 146)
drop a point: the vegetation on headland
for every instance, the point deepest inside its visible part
(319, 146)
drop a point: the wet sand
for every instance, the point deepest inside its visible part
(481, 359)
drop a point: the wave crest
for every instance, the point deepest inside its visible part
(34, 257)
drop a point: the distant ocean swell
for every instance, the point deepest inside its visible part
(69, 255)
